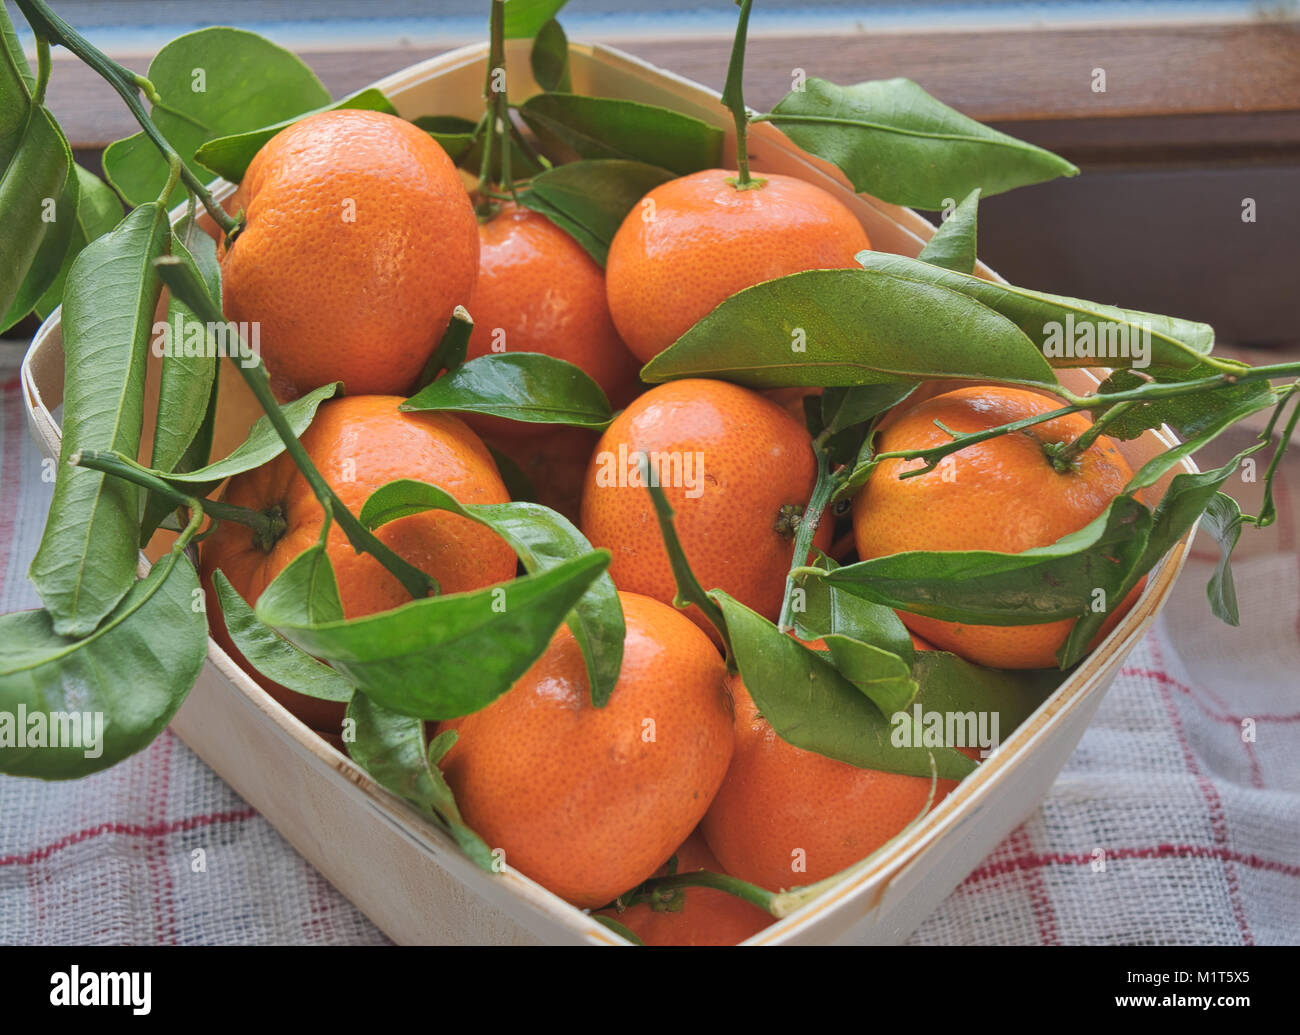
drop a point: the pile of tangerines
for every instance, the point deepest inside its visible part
(579, 798)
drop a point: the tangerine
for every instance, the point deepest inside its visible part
(697, 240)
(785, 816)
(359, 443)
(539, 291)
(358, 242)
(589, 801)
(737, 470)
(1005, 494)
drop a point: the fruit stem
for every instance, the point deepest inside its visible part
(267, 527)
(689, 590)
(733, 96)
(496, 111)
(50, 27)
(1151, 390)
(185, 285)
(1068, 456)
(451, 350)
(656, 890)
(823, 489)
(1267, 511)
(42, 70)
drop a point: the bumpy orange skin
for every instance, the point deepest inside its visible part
(781, 806)
(756, 459)
(707, 916)
(359, 443)
(359, 241)
(1002, 494)
(590, 801)
(697, 240)
(539, 291)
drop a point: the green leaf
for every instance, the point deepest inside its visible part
(603, 127)
(187, 378)
(843, 408)
(98, 211)
(525, 18)
(895, 141)
(1062, 328)
(953, 245)
(550, 57)
(185, 381)
(16, 85)
(952, 685)
(1187, 415)
(440, 657)
(850, 327)
(984, 587)
(829, 610)
(1223, 522)
(542, 539)
(262, 444)
(454, 134)
(809, 704)
(230, 155)
(882, 676)
(589, 200)
(391, 748)
(522, 386)
(273, 655)
(37, 176)
(305, 592)
(87, 558)
(214, 83)
(197, 454)
(134, 671)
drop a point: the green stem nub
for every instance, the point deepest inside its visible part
(733, 96)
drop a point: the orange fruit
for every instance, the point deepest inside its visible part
(707, 916)
(589, 801)
(539, 291)
(785, 816)
(554, 460)
(734, 467)
(1002, 494)
(919, 643)
(359, 443)
(359, 241)
(697, 240)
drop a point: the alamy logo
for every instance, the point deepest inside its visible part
(25, 729)
(1098, 339)
(930, 729)
(672, 468)
(194, 340)
(96, 988)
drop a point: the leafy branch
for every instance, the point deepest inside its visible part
(185, 285)
(50, 28)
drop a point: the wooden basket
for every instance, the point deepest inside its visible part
(412, 880)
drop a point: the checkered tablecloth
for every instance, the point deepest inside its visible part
(1198, 826)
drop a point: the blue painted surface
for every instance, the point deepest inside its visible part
(143, 25)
